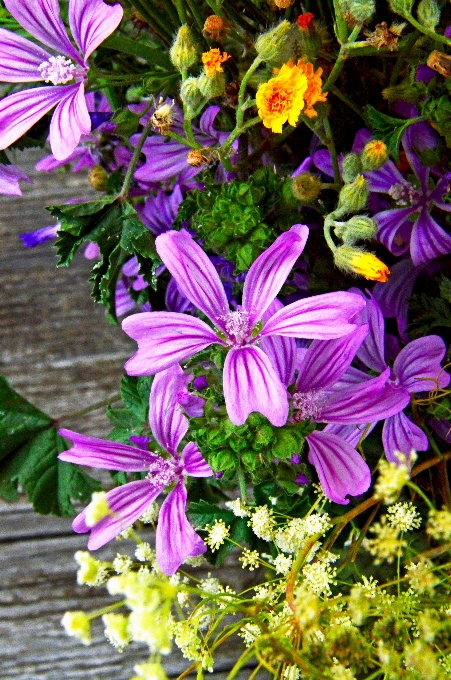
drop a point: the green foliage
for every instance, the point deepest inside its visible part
(437, 109)
(131, 417)
(241, 219)
(430, 312)
(118, 231)
(29, 450)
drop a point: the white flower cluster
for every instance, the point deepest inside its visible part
(262, 522)
(403, 516)
(292, 536)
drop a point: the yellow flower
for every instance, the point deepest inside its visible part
(295, 88)
(212, 61)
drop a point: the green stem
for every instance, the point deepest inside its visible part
(421, 493)
(328, 237)
(345, 99)
(196, 14)
(131, 168)
(181, 11)
(242, 482)
(240, 111)
(342, 55)
(332, 151)
(92, 407)
(106, 610)
(427, 31)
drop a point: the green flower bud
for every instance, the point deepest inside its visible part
(428, 13)
(211, 86)
(183, 52)
(354, 196)
(351, 167)
(374, 155)
(98, 178)
(361, 10)
(358, 228)
(402, 7)
(306, 187)
(191, 95)
(269, 45)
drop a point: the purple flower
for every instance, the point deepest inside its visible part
(9, 180)
(250, 381)
(318, 395)
(35, 238)
(159, 212)
(417, 368)
(411, 224)
(175, 538)
(22, 61)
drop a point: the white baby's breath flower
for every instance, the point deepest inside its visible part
(122, 563)
(262, 522)
(403, 516)
(238, 508)
(283, 563)
(217, 534)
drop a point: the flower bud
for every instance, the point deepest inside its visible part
(191, 95)
(98, 178)
(270, 44)
(356, 261)
(351, 167)
(306, 187)
(214, 27)
(116, 630)
(374, 155)
(361, 10)
(211, 86)
(183, 52)
(358, 228)
(428, 13)
(402, 7)
(354, 196)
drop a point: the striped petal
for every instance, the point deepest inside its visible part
(69, 122)
(400, 435)
(91, 22)
(166, 420)
(251, 384)
(20, 58)
(164, 339)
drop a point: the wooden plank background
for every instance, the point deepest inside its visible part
(58, 351)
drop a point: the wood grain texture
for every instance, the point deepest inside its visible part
(58, 351)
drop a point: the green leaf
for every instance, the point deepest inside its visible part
(135, 396)
(126, 122)
(445, 289)
(19, 420)
(30, 446)
(202, 513)
(153, 55)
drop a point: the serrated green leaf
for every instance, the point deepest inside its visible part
(201, 513)
(19, 420)
(135, 396)
(136, 238)
(445, 289)
(387, 128)
(122, 418)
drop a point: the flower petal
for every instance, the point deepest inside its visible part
(341, 470)
(128, 503)
(321, 317)
(327, 360)
(251, 384)
(195, 274)
(194, 463)
(10, 175)
(372, 351)
(42, 19)
(166, 420)
(21, 110)
(282, 354)
(104, 454)
(417, 366)
(270, 270)
(389, 223)
(165, 338)
(366, 402)
(400, 435)
(428, 240)
(421, 171)
(91, 22)
(20, 58)
(176, 539)
(351, 433)
(69, 122)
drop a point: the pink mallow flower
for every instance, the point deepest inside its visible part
(175, 537)
(250, 381)
(22, 61)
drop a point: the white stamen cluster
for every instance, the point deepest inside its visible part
(162, 472)
(403, 193)
(307, 405)
(237, 326)
(57, 70)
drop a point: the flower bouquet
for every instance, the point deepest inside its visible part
(267, 211)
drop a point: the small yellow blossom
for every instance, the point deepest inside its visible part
(356, 261)
(250, 559)
(217, 534)
(92, 572)
(116, 630)
(439, 524)
(97, 509)
(387, 544)
(314, 93)
(77, 624)
(392, 478)
(213, 59)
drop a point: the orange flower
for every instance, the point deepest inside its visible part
(304, 20)
(281, 99)
(314, 93)
(212, 61)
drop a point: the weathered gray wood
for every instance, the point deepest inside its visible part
(59, 352)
